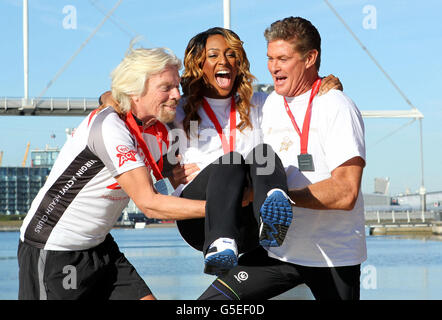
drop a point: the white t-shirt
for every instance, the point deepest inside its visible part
(206, 147)
(81, 200)
(320, 238)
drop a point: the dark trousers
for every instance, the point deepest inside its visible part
(222, 184)
(259, 277)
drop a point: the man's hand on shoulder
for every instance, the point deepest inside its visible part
(106, 99)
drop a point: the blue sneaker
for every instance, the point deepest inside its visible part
(276, 217)
(221, 256)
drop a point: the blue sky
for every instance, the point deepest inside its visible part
(403, 35)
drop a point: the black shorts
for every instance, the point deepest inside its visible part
(102, 272)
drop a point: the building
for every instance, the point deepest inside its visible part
(44, 158)
(20, 185)
(18, 188)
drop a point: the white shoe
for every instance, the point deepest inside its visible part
(221, 256)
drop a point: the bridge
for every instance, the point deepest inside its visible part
(47, 106)
(82, 106)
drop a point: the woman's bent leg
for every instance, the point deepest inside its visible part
(225, 189)
(272, 206)
(221, 184)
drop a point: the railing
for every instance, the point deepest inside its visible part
(47, 106)
(393, 216)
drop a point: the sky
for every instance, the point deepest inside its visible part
(404, 36)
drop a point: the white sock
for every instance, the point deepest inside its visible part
(285, 195)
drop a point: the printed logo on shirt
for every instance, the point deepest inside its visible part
(125, 154)
(285, 144)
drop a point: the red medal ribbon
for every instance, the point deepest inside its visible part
(161, 134)
(148, 158)
(227, 147)
(306, 125)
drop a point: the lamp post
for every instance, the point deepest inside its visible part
(25, 101)
(226, 14)
(422, 191)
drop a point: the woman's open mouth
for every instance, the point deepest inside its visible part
(223, 79)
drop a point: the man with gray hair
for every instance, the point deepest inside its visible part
(65, 249)
(325, 244)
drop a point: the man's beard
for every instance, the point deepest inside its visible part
(166, 115)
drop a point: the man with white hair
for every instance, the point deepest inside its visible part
(65, 249)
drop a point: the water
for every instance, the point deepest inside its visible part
(397, 267)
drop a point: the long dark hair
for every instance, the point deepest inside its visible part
(193, 80)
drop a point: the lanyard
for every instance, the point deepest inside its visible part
(306, 125)
(161, 134)
(149, 160)
(227, 147)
